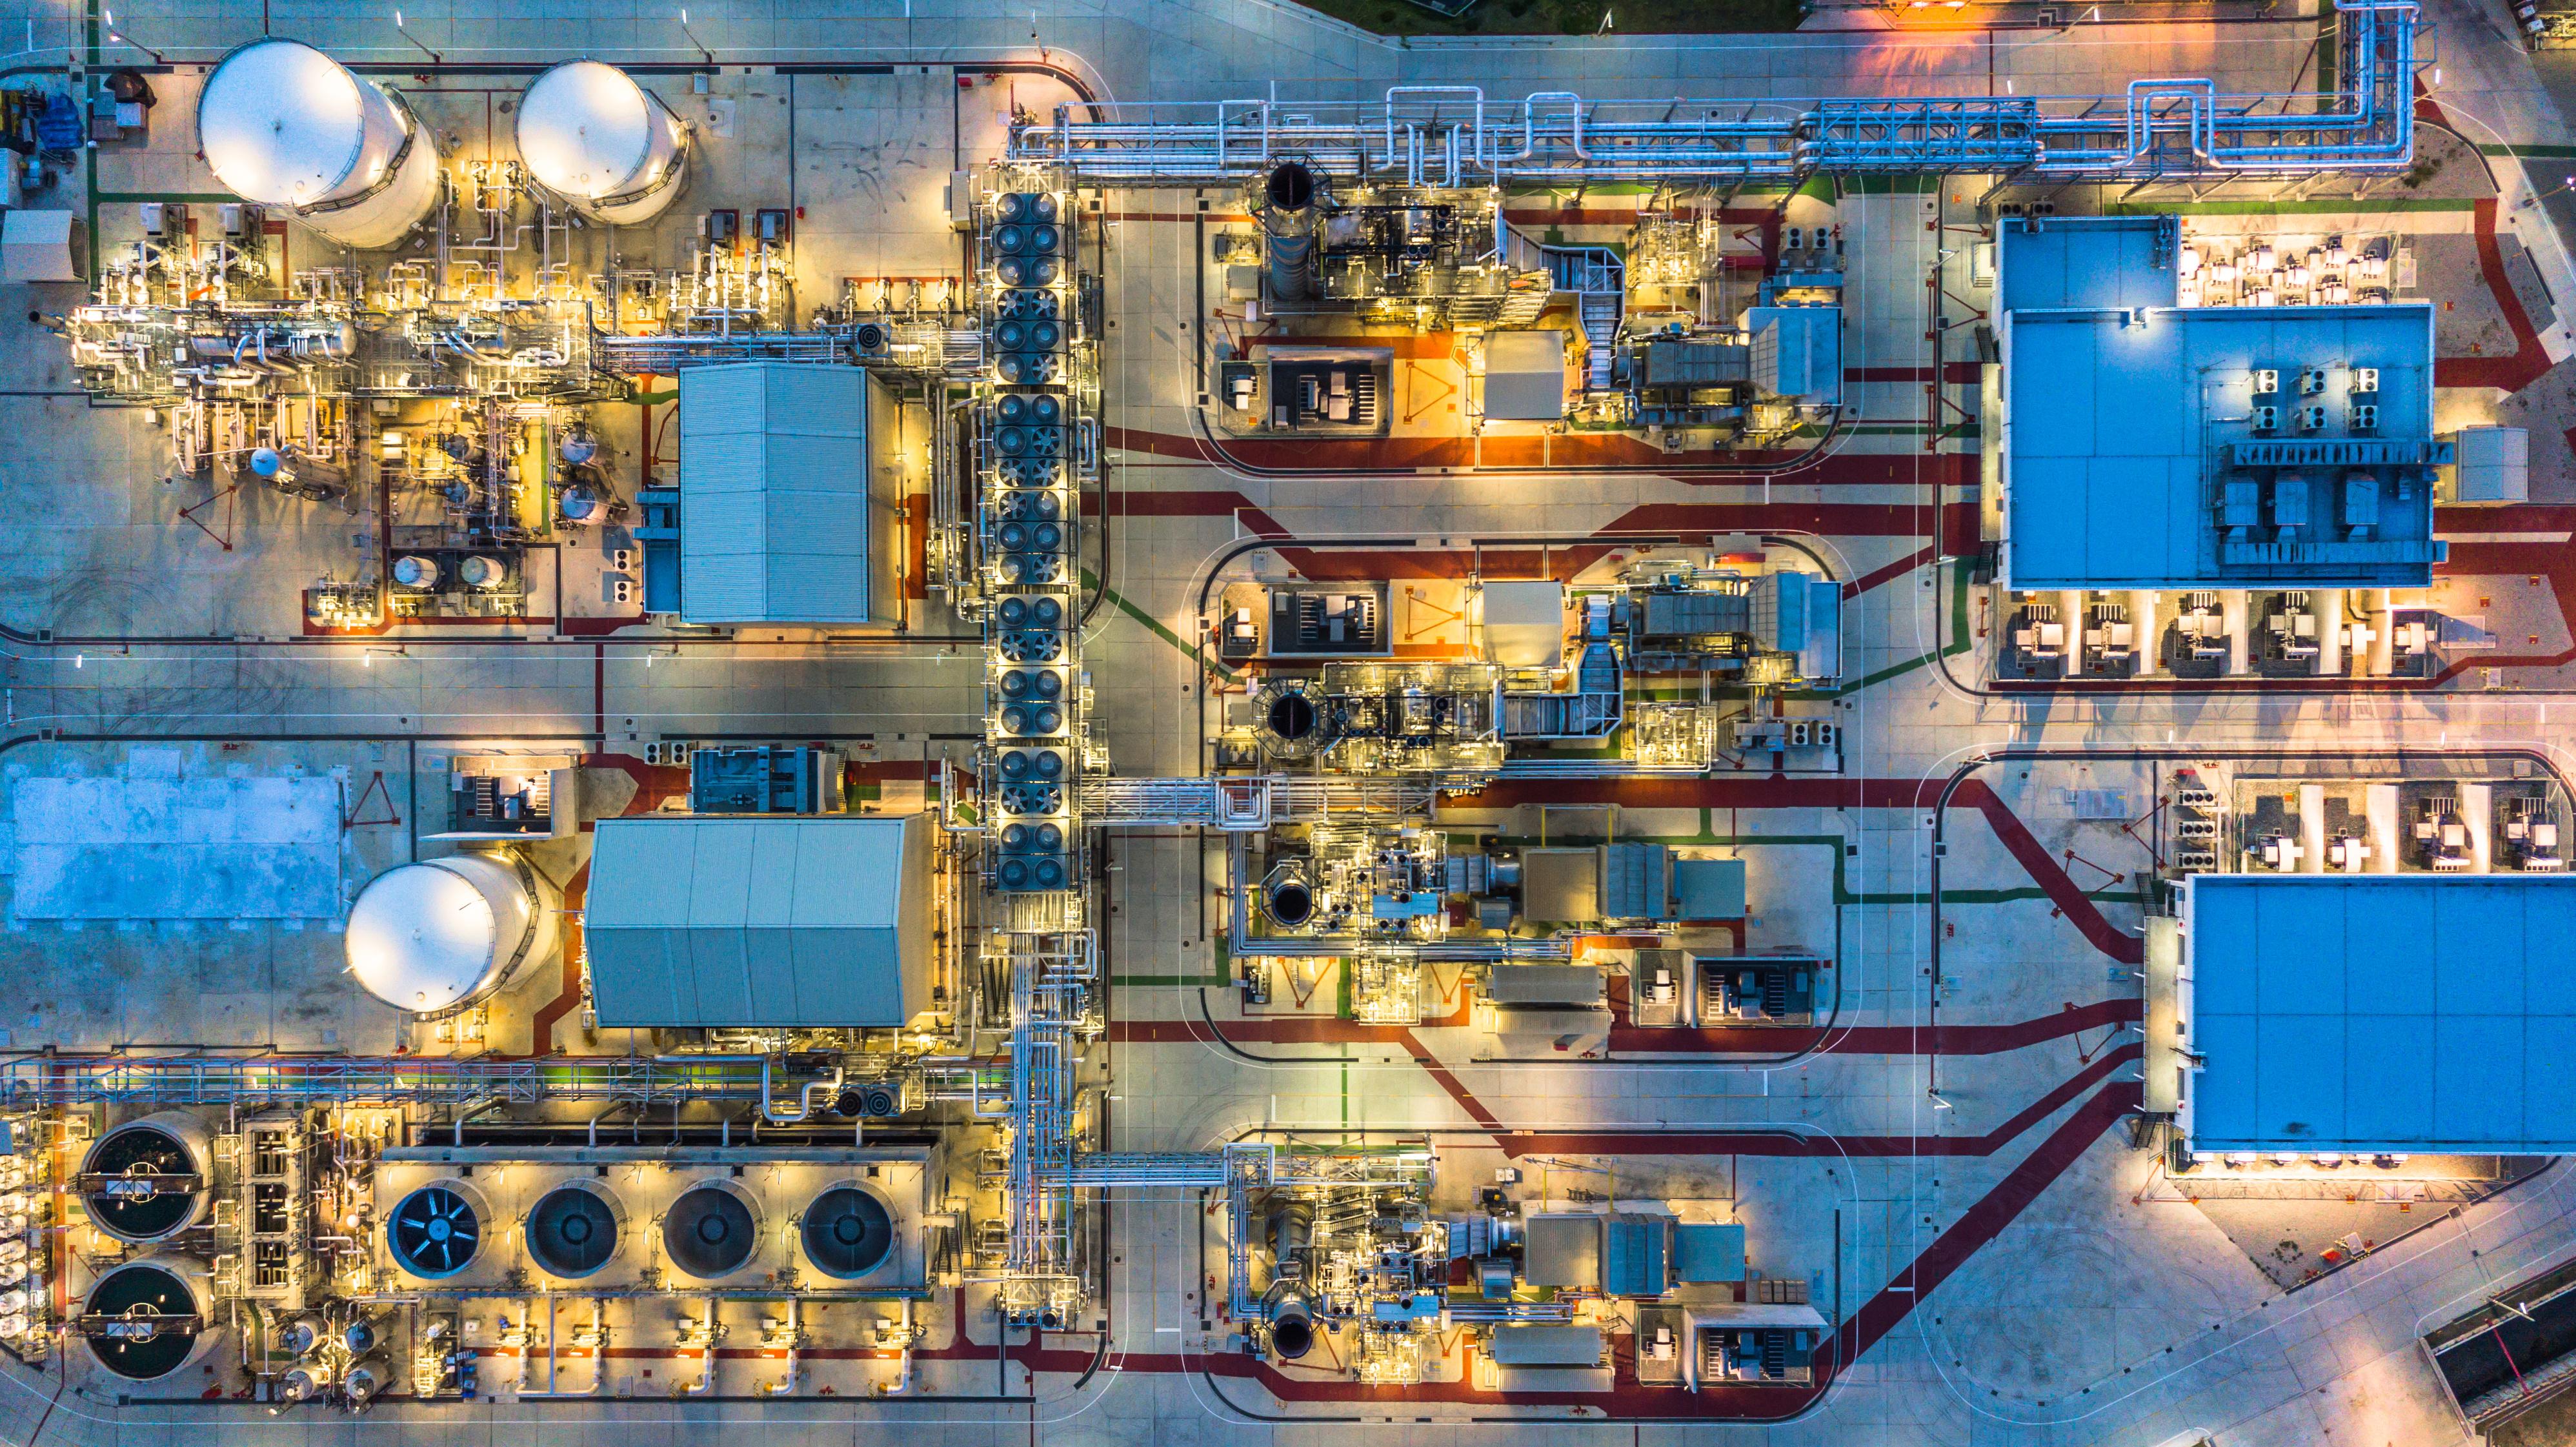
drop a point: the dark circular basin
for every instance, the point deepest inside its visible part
(1292, 716)
(144, 1202)
(150, 1321)
(710, 1231)
(1291, 902)
(848, 1232)
(572, 1232)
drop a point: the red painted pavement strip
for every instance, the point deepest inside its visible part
(1880, 1315)
(1785, 793)
(1805, 1147)
(1985, 1220)
(2530, 360)
(1879, 1039)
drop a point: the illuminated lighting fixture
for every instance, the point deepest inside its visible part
(414, 39)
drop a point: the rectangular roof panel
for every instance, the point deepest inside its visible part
(2409, 1013)
(775, 472)
(697, 922)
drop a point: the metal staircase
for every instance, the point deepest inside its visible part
(1598, 280)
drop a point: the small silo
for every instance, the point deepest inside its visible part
(284, 125)
(442, 934)
(607, 146)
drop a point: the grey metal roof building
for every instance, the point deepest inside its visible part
(790, 485)
(2366, 1013)
(759, 922)
(2149, 445)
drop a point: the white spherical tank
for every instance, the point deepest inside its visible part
(284, 125)
(610, 148)
(443, 934)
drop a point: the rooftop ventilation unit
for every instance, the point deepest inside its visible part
(848, 1232)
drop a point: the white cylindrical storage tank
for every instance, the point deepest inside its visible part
(443, 934)
(610, 148)
(284, 125)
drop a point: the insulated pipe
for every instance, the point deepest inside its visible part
(2477, 813)
(2231, 613)
(2145, 637)
(2366, 127)
(2383, 638)
(2326, 604)
(777, 1114)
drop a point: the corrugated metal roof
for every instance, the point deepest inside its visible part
(2362, 1013)
(743, 922)
(775, 468)
(1637, 1256)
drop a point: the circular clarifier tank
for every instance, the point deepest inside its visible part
(145, 1180)
(610, 148)
(146, 1319)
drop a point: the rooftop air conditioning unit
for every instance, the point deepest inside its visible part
(2267, 419)
(2312, 419)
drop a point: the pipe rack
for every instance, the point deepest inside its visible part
(2158, 129)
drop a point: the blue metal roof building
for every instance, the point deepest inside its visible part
(2146, 445)
(2367, 1013)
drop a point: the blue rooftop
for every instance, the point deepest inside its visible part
(2365, 1013)
(2151, 446)
(2099, 262)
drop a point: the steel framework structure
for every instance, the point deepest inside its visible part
(2158, 129)
(210, 1078)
